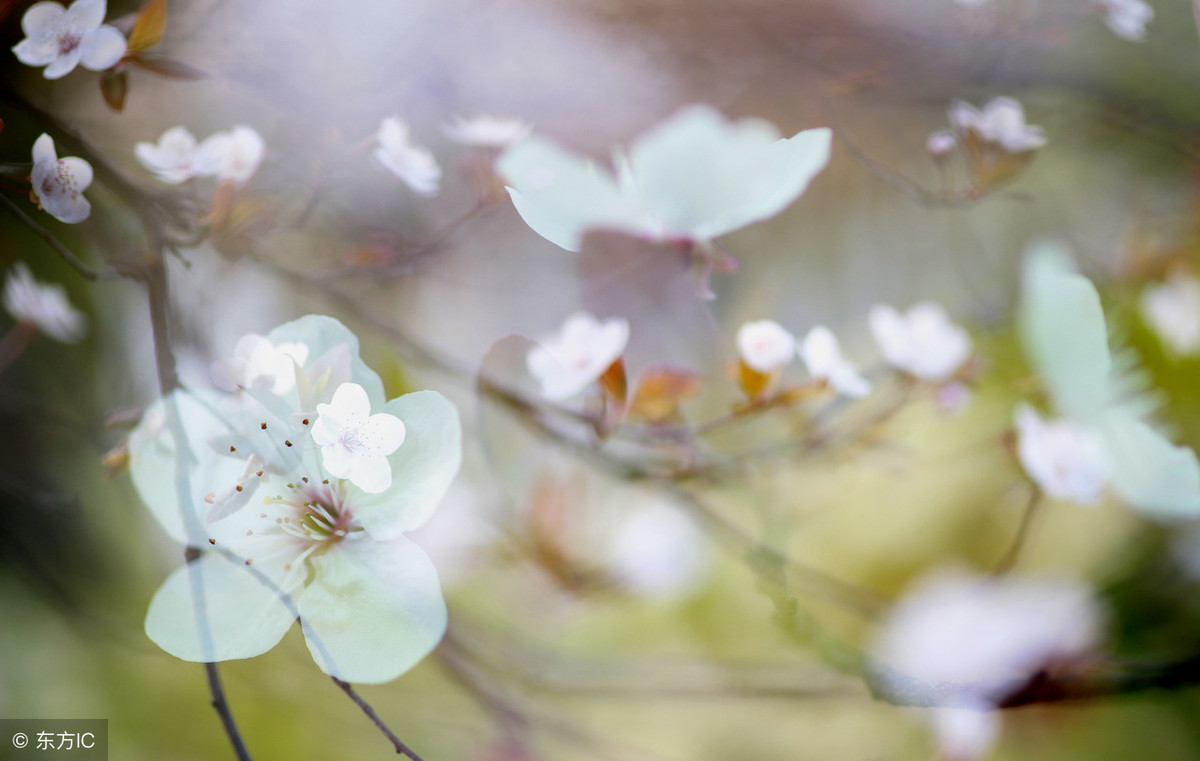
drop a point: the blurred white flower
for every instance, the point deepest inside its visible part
(1001, 122)
(43, 306)
(233, 155)
(1172, 310)
(354, 443)
(696, 176)
(487, 131)
(1127, 18)
(1065, 460)
(569, 361)
(922, 342)
(823, 357)
(176, 157)
(413, 164)
(939, 143)
(765, 345)
(656, 549)
(58, 183)
(258, 363)
(62, 38)
(978, 639)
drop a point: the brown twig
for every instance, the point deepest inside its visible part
(366, 708)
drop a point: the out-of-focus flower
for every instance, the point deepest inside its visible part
(971, 641)
(279, 534)
(656, 549)
(923, 342)
(62, 38)
(1127, 18)
(823, 357)
(572, 359)
(176, 157)
(1172, 309)
(1066, 461)
(1000, 122)
(354, 443)
(696, 177)
(413, 164)
(939, 144)
(43, 306)
(487, 131)
(233, 155)
(1065, 334)
(58, 183)
(765, 345)
(259, 364)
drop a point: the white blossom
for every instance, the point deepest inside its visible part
(58, 183)
(696, 176)
(487, 131)
(258, 363)
(1001, 122)
(823, 357)
(61, 38)
(44, 306)
(965, 733)
(981, 638)
(232, 155)
(279, 535)
(1064, 460)
(176, 157)
(413, 164)
(765, 345)
(1127, 18)
(939, 143)
(1172, 310)
(656, 549)
(354, 443)
(569, 361)
(922, 342)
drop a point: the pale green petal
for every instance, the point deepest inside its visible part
(1148, 471)
(373, 609)
(560, 194)
(704, 176)
(322, 335)
(243, 617)
(422, 468)
(1062, 326)
(152, 462)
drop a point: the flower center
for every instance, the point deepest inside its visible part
(67, 42)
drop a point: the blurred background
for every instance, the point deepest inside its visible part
(591, 616)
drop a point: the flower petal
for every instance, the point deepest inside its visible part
(62, 65)
(243, 617)
(102, 49)
(33, 53)
(560, 194)
(38, 21)
(322, 335)
(86, 15)
(373, 610)
(422, 468)
(43, 149)
(79, 170)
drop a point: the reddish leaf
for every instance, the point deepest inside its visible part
(167, 67)
(114, 86)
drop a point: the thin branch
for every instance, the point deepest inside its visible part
(1009, 559)
(67, 255)
(397, 743)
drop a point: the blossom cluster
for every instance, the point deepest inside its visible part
(302, 482)
(232, 155)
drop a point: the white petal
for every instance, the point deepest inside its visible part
(373, 610)
(33, 53)
(39, 20)
(243, 617)
(79, 170)
(86, 15)
(43, 149)
(63, 65)
(371, 473)
(102, 49)
(422, 468)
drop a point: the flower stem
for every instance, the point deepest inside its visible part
(396, 742)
